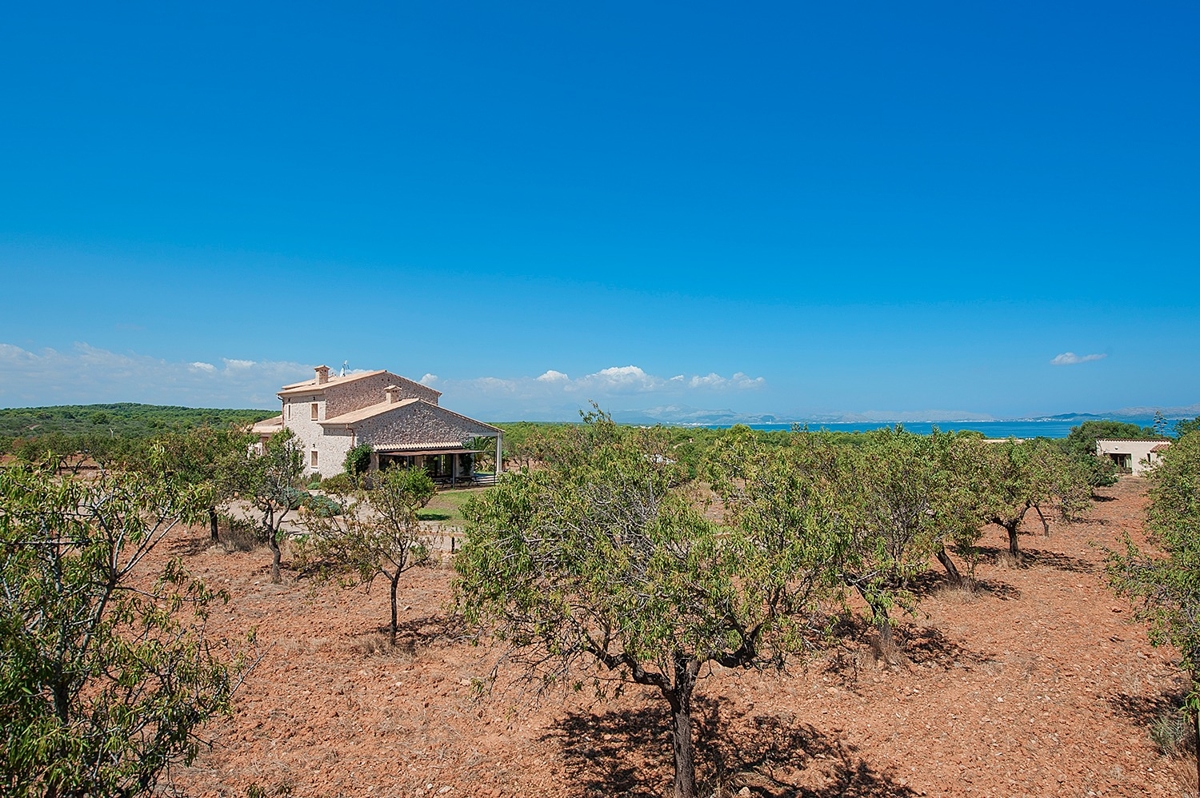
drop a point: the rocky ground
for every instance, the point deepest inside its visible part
(1038, 684)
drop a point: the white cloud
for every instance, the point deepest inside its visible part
(495, 384)
(85, 375)
(738, 381)
(618, 379)
(1070, 359)
(428, 380)
(14, 354)
(709, 381)
(600, 385)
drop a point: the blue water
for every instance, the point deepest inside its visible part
(990, 429)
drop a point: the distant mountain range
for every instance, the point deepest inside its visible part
(677, 414)
(1188, 411)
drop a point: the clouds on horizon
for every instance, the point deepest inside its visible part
(615, 381)
(86, 374)
(1071, 359)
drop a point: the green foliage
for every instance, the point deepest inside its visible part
(603, 556)
(125, 420)
(377, 534)
(1165, 588)
(339, 483)
(905, 498)
(58, 451)
(358, 460)
(1012, 477)
(271, 482)
(102, 686)
(321, 506)
(211, 459)
(1185, 426)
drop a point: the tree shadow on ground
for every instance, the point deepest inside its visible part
(932, 582)
(997, 589)
(1058, 561)
(926, 583)
(1144, 710)
(927, 644)
(427, 630)
(771, 756)
(1035, 557)
(916, 644)
(192, 545)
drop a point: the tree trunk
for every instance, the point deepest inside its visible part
(1014, 548)
(883, 622)
(1196, 728)
(395, 581)
(951, 569)
(273, 542)
(680, 699)
(1045, 523)
(212, 524)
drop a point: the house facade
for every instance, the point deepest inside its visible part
(1135, 455)
(400, 419)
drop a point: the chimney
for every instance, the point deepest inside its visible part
(393, 394)
(322, 374)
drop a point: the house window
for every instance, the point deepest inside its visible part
(314, 459)
(314, 411)
(289, 411)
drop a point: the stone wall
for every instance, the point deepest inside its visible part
(297, 416)
(369, 391)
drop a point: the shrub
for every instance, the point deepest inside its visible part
(240, 535)
(358, 459)
(322, 506)
(340, 483)
(1171, 732)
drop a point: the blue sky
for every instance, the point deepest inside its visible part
(794, 209)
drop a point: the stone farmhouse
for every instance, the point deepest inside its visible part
(1134, 455)
(400, 419)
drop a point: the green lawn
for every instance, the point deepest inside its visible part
(446, 506)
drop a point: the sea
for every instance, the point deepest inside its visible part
(1042, 428)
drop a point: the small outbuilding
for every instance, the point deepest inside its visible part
(1132, 455)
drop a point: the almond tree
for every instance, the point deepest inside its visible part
(105, 675)
(1165, 588)
(903, 502)
(210, 457)
(377, 534)
(271, 482)
(1012, 477)
(602, 558)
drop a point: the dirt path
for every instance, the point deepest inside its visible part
(1038, 685)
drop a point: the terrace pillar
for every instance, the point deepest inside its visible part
(499, 454)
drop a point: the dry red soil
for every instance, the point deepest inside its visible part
(1039, 684)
